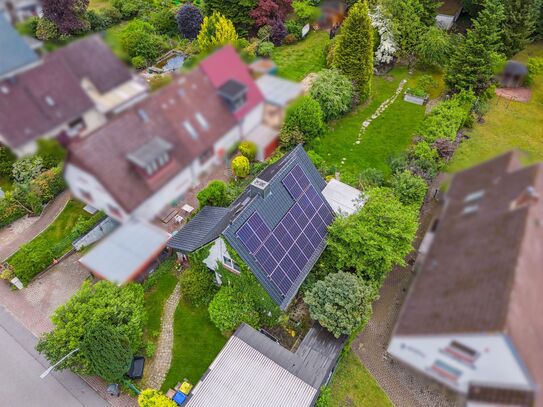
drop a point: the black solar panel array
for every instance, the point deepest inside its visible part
(284, 251)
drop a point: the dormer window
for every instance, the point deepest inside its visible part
(152, 156)
(234, 93)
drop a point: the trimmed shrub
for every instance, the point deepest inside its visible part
(189, 20)
(214, 194)
(265, 49)
(304, 115)
(409, 188)
(334, 93)
(229, 308)
(248, 149)
(198, 286)
(216, 31)
(241, 166)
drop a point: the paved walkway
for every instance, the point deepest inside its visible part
(160, 365)
(404, 386)
(10, 238)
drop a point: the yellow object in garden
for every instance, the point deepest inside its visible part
(292, 332)
(185, 388)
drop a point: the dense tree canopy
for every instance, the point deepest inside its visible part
(104, 304)
(268, 11)
(341, 302)
(520, 24)
(409, 188)
(108, 352)
(304, 116)
(353, 54)
(237, 11)
(375, 239)
(214, 194)
(67, 15)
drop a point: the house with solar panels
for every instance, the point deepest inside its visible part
(277, 226)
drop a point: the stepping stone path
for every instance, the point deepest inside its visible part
(379, 111)
(160, 364)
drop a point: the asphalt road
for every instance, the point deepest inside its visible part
(20, 369)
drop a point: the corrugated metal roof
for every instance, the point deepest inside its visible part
(15, 53)
(205, 227)
(278, 91)
(244, 376)
(126, 251)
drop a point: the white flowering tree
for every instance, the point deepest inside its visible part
(387, 47)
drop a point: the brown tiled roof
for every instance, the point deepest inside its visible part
(24, 111)
(104, 152)
(91, 58)
(483, 271)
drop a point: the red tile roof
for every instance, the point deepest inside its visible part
(104, 152)
(225, 64)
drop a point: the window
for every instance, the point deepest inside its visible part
(191, 130)
(445, 371)
(202, 121)
(474, 196)
(207, 155)
(461, 352)
(87, 196)
(231, 264)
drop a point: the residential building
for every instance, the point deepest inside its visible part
(66, 95)
(15, 53)
(16, 11)
(277, 226)
(472, 319)
(254, 370)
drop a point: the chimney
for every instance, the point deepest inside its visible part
(260, 187)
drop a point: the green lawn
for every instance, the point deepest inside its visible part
(196, 343)
(353, 385)
(507, 125)
(156, 296)
(98, 4)
(295, 61)
(387, 135)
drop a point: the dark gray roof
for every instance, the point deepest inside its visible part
(272, 209)
(232, 89)
(150, 151)
(205, 227)
(15, 53)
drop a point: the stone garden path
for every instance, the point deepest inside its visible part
(163, 355)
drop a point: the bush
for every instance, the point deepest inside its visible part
(164, 21)
(51, 153)
(290, 39)
(305, 13)
(138, 62)
(10, 210)
(425, 157)
(372, 177)
(294, 27)
(248, 149)
(26, 169)
(46, 30)
(341, 302)
(189, 20)
(130, 8)
(409, 188)
(264, 33)
(291, 137)
(334, 93)
(214, 194)
(444, 121)
(98, 21)
(215, 32)
(159, 81)
(304, 115)
(265, 49)
(138, 38)
(154, 398)
(29, 26)
(241, 166)
(278, 32)
(48, 184)
(229, 309)
(198, 286)
(112, 14)
(7, 159)
(434, 47)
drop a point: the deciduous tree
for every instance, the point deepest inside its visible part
(189, 20)
(268, 11)
(237, 11)
(67, 15)
(214, 194)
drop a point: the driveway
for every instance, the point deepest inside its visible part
(24, 230)
(20, 383)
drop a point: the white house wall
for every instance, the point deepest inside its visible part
(252, 119)
(79, 181)
(497, 363)
(170, 192)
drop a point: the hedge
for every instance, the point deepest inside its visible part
(10, 210)
(38, 254)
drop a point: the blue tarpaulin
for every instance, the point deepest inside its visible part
(179, 398)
